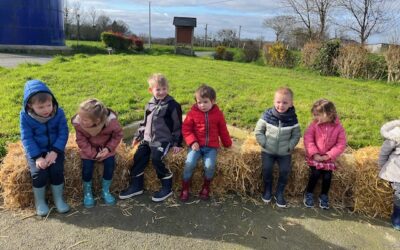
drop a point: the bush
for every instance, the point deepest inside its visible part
(138, 43)
(228, 55)
(310, 53)
(392, 57)
(116, 41)
(326, 59)
(219, 52)
(376, 68)
(278, 55)
(251, 52)
(352, 61)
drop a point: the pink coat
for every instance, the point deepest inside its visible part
(324, 139)
(110, 136)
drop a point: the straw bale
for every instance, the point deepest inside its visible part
(372, 195)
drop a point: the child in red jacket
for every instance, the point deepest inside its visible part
(324, 141)
(202, 128)
(98, 134)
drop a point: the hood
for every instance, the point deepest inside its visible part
(391, 130)
(33, 87)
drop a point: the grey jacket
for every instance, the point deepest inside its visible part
(276, 136)
(389, 157)
(162, 122)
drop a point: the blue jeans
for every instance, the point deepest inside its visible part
(88, 165)
(284, 163)
(209, 158)
(54, 173)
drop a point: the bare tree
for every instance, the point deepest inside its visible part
(93, 15)
(280, 24)
(322, 8)
(304, 10)
(370, 16)
(227, 36)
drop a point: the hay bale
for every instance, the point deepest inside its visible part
(372, 195)
(250, 174)
(16, 182)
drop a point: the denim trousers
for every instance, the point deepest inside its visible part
(88, 167)
(54, 173)
(284, 163)
(209, 161)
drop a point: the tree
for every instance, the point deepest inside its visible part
(313, 14)
(226, 36)
(93, 16)
(304, 10)
(103, 22)
(119, 26)
(370, 16)
(280, 24)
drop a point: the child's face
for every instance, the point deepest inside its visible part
(204, 104)
(321, 117)
(44, 109)
(86, 121)
(159, 92)
(282, 102)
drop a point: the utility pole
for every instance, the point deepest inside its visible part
(205, 36)
(149, 24)
(240, 28)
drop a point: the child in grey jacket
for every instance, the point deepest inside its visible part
(277, 132)
(389, 162)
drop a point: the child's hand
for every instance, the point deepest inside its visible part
(176, 149)
(195, 146)
(318, 157)
(325, 157)
(103, 153)
(51, 158)
(135, 142)
(41, 163)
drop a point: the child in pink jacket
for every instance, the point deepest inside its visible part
(98, 134)
(324, 141)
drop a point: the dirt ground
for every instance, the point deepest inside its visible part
(231, 223)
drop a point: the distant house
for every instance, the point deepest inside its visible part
(184, 33)
(377, 48)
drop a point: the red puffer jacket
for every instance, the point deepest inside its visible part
(206, 128)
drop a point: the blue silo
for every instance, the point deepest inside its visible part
(31, 22)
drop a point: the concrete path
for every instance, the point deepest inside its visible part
(216, 224)
(203, 53)
(13, 60)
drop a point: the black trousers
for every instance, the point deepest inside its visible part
(156, 153)
(314, 176)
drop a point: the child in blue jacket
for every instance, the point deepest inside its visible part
(44, 134)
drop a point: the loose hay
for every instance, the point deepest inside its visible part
(372, 195)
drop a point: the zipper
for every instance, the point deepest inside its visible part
(152, 120)
(48, 136)
(206, 116)
(279, 134)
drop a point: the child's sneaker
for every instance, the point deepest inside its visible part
(267, 196)
(280, 201)
(308, 200)
(324, 201)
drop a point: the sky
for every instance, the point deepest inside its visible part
(216, 14)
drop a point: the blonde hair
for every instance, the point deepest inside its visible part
(95, 109)
(157, 79)
(285, 91)
(326, 107)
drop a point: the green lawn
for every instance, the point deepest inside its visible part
(244, 90)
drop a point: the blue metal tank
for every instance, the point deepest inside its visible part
(32, 22)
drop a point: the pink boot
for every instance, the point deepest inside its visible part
(205, 190)
(185, 191)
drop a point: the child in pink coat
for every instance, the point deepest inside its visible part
(324, 141)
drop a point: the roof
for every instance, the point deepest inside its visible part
(185, 21)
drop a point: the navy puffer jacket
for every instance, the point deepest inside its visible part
(39, 138)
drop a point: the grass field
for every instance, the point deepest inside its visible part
(244, 90)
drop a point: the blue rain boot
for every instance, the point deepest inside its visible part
(165, 191)
(279, 196)
(88, 200)
(58, 191)
(42, 209)
(396, 217)
(105, 192)
(135, 188)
